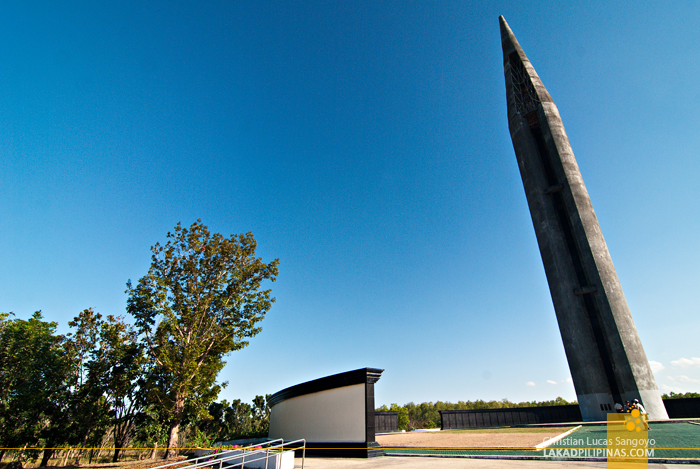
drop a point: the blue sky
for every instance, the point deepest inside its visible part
(365, 145)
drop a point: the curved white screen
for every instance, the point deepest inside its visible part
(335, 415)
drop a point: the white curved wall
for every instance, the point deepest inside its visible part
(335, 415)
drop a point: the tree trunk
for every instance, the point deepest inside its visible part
(116, 454)
(48, 452)
(65, 459)
(78, 456)
(155, 450)
(102, 448)
(175, 427)
(172, 439)
(123, 434)
(83, 446)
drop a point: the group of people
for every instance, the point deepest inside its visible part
(629, 407)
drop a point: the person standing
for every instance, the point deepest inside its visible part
(645, 416)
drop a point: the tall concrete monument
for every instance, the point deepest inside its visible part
(606, 358)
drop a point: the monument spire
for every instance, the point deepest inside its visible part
(606, 358)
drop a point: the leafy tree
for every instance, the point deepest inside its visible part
(236, 420)
(34, 383)
(239, 418)
(227, 422)
(261, 415)
(403, 420)
(200, 300)
(216, 427)
(68, 389)
(150, 428)
(89, 410)
(115, 372)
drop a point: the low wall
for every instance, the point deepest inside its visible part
(483, 418)
(385, 422)
(683, 408)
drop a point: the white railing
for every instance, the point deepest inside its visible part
(239, 457)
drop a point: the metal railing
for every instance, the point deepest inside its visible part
(246, 454)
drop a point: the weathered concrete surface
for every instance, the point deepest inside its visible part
(605, 354)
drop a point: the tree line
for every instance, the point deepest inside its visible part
(110, 383)
(95, 388)
(682, 395)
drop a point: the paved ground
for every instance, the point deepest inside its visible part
(456, 463)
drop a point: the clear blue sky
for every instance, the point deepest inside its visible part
(365, 145)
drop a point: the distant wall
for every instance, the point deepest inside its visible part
(683, 408)
(481, 418)
(385, 422)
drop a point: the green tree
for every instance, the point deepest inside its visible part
(261, 415)
(89, 409)
(674, 395)
(34, 383)
(200, 300)
(150, 428)
(239, 417)
(115, 372)
(217, 427)
(236, 420)
(403, 420)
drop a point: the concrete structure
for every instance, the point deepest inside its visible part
(335, 414)
(605, 355)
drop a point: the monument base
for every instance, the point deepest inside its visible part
(596, 407)
(654, 405)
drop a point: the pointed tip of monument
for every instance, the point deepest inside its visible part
(508, 40)
(504, 25)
